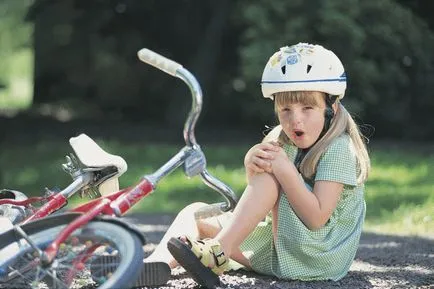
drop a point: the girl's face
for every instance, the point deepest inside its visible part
(301, 115)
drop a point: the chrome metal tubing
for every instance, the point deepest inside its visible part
(196, 106)
(222, 188)
(189, 137)
(79, 182)
(169, 166)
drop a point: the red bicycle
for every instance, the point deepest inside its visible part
(94, 172)
(57, 251)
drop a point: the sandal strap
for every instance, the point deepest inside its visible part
(218, 253)
(210, 253)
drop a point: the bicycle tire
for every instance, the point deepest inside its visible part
(20, 267)
(15, 214)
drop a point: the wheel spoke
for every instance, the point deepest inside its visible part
(73, 266)
(23, 234)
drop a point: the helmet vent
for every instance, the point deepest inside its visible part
(309, 67)
(283, 68)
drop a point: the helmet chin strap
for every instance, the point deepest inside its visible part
(329, 113)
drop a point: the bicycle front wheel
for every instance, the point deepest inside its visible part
(20, 266)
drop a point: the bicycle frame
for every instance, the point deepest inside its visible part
(54, 202)
(118, 203)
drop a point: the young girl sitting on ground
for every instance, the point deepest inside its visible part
(301, 214)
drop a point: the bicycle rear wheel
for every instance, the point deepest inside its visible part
(20, 266)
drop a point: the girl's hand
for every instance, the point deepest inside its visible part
(280, 160)
(258, 158)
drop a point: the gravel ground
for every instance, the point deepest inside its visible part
(382, 261)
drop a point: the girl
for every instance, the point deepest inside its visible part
(301, 214)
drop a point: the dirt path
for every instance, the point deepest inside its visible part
(382, 261)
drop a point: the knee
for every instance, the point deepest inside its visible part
(191, 209)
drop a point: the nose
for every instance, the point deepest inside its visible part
(295, 117)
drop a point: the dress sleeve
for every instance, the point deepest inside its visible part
(338, 163)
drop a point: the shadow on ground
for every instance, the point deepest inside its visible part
(382, 261)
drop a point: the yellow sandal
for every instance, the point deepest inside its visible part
(203, 259)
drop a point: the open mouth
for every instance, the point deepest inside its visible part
(298, 133)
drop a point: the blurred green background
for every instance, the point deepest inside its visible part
(70, 66)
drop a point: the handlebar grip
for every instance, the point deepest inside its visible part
(159, 61)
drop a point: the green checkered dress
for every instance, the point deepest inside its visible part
(326, 253)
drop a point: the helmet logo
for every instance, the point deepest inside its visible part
(306, 51)
(300, 48)
(276, 58)
(288, 50)
(292, 59)
(304, 67)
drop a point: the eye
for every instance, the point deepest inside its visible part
(284, 109)
(308, 107)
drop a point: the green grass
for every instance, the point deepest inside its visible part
(17, 93)
(399, 193)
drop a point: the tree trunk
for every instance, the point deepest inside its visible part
(204, 63)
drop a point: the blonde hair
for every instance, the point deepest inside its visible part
(342, 122)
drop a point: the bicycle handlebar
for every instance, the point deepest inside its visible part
(175, 69)
(159, 61)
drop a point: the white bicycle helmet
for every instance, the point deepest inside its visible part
(304, 67)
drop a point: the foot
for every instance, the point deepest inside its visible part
(204, 260)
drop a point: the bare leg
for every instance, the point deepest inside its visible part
(210, 227)
(184, 224)
(258, 199)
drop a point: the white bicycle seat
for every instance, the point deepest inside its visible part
(92, 155)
